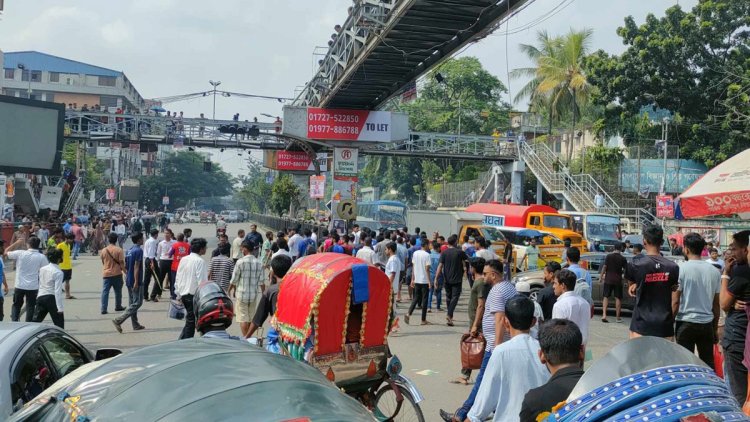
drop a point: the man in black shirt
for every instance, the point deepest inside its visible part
(735, 292)
(653, 280)
(267, 305)
(546, 297)
(452, 263)
(611, 274)
(561, 350)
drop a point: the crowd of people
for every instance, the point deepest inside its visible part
(535, 345)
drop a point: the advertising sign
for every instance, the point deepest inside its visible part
(665, 206)
(293, 161)
(111, 194)
(348, 125)
(165, 200)
(317, 187)
(345, 164)
(50, 197)
(494, 220)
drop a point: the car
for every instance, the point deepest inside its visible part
(36, 356)
(637, 239)
(196, 379)
(192, 216)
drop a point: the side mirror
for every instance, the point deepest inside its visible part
(102, 354)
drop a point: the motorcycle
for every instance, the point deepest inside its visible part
(220, 231)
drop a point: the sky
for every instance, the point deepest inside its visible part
(264, 47)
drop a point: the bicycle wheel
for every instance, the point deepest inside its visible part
(386, 405)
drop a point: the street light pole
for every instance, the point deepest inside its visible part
(665, 134)
(214, 84)
(23, 68)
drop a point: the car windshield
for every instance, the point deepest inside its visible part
(557, 221)
(602, 227)
(492, 234)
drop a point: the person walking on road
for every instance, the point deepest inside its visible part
(477, 299)
(4, 290)
(67, 264)
(26, 287)
(246, 279)
(612, 273)
(134, 283)
(236, 250)
(420, 281)
(151, 265)
(113, 263)
(50, 299)
(192, 271)
(452, 263)
(77, 231)
(220, 269)
(165, 265)
(695, 304)
(180, 249)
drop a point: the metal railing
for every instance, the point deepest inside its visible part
(283, 223)
(579, 189)
(75, 195)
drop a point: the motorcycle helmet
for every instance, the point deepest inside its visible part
(213, 308)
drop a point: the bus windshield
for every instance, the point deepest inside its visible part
(602, 227)
(557, 221)
(385, 213)
(492, 234)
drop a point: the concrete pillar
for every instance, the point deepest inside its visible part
(539, 192)
(516, 182)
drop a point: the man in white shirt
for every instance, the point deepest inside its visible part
(121, 233)
(28, 264)
(293, 244)
(236, 252)
(514, 367)
(50, 299)
(366, 253)
(357, 234)
(569, 305)
(714, 259)
(151, 265)
(420, 281)
(190, 273)
(483, 250)
(283, 248)
(165, 262)
(393, 271)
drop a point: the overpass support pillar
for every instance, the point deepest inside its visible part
(516, 182)
(539, 192)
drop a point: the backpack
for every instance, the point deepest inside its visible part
(310, 249)
(582, 289)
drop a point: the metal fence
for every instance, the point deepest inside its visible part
(282, 223)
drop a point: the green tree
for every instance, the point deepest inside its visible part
(694, 64)
(468, 93)
(284, 193)
(255, 193)
(94, 179)
(559, 84)
(183, 179)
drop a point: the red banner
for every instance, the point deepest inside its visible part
(292, 160)
(665, 206)
(348, 125)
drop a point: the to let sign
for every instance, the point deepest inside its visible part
(348, 125)
(345, 164)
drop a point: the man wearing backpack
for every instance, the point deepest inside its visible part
(306, 245)
(583, 277)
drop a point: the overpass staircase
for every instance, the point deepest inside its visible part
(579, 190)
(74, 197)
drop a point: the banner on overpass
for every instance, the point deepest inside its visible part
(345, 125)
(50, 197)
(293, 161)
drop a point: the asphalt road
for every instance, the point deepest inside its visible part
(429, 354)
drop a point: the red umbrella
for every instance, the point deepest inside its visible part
(724, 190)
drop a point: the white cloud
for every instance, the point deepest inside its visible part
(115, 32)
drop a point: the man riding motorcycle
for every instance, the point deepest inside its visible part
(221, 226)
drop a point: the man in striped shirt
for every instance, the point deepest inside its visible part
(246, 281)
(220, 270)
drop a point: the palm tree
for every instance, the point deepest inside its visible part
(559, 82)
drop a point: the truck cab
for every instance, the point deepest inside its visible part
(537, 217)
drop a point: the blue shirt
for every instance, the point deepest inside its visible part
(434, 262)
(66, 227)
(580, 273)
(337, 248)
(135, 254)
(2, 276)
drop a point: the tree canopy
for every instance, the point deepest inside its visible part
(183, 179)
(695, 64)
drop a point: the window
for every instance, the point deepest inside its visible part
(54, 77)
(107, 81)
(50, 97)
(535, 221)
(66, 357)
(24, 75)
(30, 376)
(108, 101)
(10, 73)
(36, 76)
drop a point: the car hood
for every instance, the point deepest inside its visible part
(197, 379)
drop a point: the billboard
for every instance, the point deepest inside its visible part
(345, 164)
(648, 174)
(31, 133)
(293, 161)
(348, 125)
(317, 186)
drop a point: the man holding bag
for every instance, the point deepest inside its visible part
(477, 298)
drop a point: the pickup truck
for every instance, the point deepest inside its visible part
(459, 223)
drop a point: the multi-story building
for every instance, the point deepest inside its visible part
(41, 76)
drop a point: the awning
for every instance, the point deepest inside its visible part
(724, 190)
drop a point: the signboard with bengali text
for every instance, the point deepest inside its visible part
(317, 186)
(345, 164)
(664, 206)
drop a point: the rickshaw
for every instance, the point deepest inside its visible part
(334, 312)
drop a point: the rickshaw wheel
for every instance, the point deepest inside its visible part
(386, 405)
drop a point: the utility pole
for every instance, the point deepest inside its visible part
(664, 136)
(214, 84)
